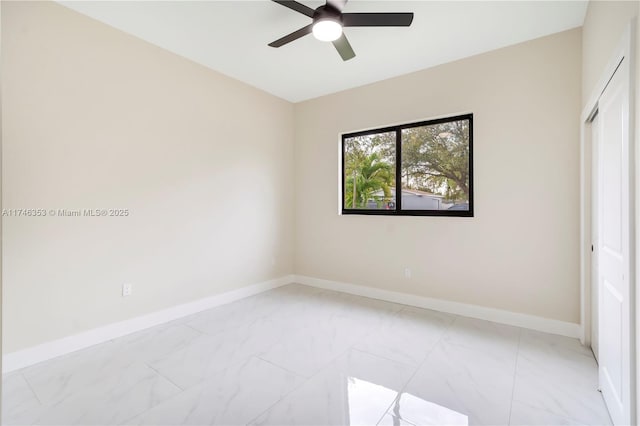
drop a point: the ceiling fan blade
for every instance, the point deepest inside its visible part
(344, 48)
(298, 7)
(337, 4)
(292, 37)
(377, 19)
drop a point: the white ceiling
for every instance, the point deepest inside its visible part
(232, 36)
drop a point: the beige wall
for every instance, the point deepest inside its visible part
(520, 252)
(603, 27)
(95, 118)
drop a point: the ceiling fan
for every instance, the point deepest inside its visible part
(328, 21)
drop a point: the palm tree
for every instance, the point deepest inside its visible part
(365, 175)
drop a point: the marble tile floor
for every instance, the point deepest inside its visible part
(298, 355)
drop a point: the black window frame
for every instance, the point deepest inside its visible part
(398, 187)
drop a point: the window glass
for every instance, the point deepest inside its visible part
(370, 171)
(435, 166)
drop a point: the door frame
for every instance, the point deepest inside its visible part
(624, 51)
(593, 282)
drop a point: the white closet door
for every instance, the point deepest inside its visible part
(613, 179)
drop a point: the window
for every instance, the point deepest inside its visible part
(430, 164)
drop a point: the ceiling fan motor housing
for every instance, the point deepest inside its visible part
(327, 12)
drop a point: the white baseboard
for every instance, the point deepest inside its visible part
(473, 311)
(33, 355)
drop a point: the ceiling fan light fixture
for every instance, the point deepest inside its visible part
(327, 30)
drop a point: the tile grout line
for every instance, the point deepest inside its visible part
(302, 383)
(182, 391)
(31, 388)
(164, 377)
(223, 330)
(515, 374)
(384, 357)
(205, 334)
(306, 380)
(419, 366)
(280, 367)
(202, 333)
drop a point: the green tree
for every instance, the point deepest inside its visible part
(436, 158)
(366, 175)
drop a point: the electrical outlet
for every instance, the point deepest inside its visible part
(126, 290)
(407, 273)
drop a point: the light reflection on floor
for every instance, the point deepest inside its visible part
(364, 397)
